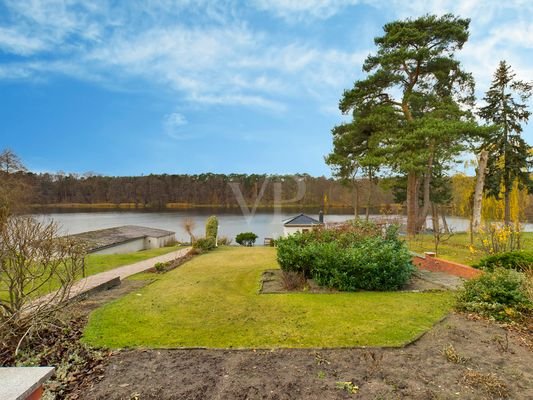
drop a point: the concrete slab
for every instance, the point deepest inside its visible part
(18, 383)
(447, 281)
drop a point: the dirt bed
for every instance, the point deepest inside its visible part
(458, 359)
(271, 282)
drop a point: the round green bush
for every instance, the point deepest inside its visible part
(499, 294)
(246, 238)
(517, 260)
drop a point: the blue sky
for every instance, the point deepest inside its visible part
(189, 86)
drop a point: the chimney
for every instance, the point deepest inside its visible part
(321, 217)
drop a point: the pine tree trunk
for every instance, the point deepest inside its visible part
(369, 196)
(412, 203)
(507, 203)
(435, 217)
(355, 199)
(427, 191)
(478, 192)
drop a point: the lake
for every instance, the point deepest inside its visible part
(263, 223)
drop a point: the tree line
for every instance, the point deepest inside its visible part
(20, 188)
(162, 191)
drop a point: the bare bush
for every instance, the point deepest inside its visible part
(490, 383)
(224, 241)
(292, 280)
(188, 225)
(37, 271)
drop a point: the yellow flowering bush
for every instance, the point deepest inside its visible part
(499, 238)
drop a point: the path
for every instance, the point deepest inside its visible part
(450, 282)
(94, 281)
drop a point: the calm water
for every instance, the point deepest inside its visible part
(264, 224)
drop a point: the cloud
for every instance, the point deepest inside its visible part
(174, 120)
(303, 9)
(173, 124)
(210, 53)
(12, 41)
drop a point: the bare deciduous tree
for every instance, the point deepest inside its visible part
(10, 162)
(188, 225)
(478, 192)
(13, 191)
(37, 271)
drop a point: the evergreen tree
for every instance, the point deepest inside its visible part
(510, 156)
(421, 92)
(355, 154)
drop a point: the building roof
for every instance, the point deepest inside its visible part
(103, 238)
(301, 220)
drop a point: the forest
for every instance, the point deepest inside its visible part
(176, 191)
(158, 192)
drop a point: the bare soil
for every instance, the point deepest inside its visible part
(459, 358)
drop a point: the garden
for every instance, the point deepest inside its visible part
(213, 301)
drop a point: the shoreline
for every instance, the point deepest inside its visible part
(188, 206)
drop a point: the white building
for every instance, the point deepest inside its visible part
(301, 223)
(125, 239)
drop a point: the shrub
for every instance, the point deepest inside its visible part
(211, 227)
(370, 264)
(353, 257)
(224, 241)
(500, 294)
(293, 280)
(204, 244)
(499, 238)
(246, 238)
(159, 267)
(294, 254)
(517, 260)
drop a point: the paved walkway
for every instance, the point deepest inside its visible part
(450, 282)
(94, 281)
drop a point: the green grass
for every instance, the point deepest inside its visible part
(213, 301)
(96, 263)
(457, 248)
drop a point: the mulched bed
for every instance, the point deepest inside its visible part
(271, 282)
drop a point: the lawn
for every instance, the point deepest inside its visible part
(96, 263)
(457, 248)
(213, 301)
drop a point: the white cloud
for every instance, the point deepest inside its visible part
(303, 9)
(206, 53)
(173, 126)
(14, 42)
(175, 119)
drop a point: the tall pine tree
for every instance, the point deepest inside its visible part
(415, 76)
(510, 156)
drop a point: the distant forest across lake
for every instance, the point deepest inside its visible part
(159, 192)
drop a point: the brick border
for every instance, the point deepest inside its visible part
(431, 263)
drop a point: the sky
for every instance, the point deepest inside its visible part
(190, 86)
